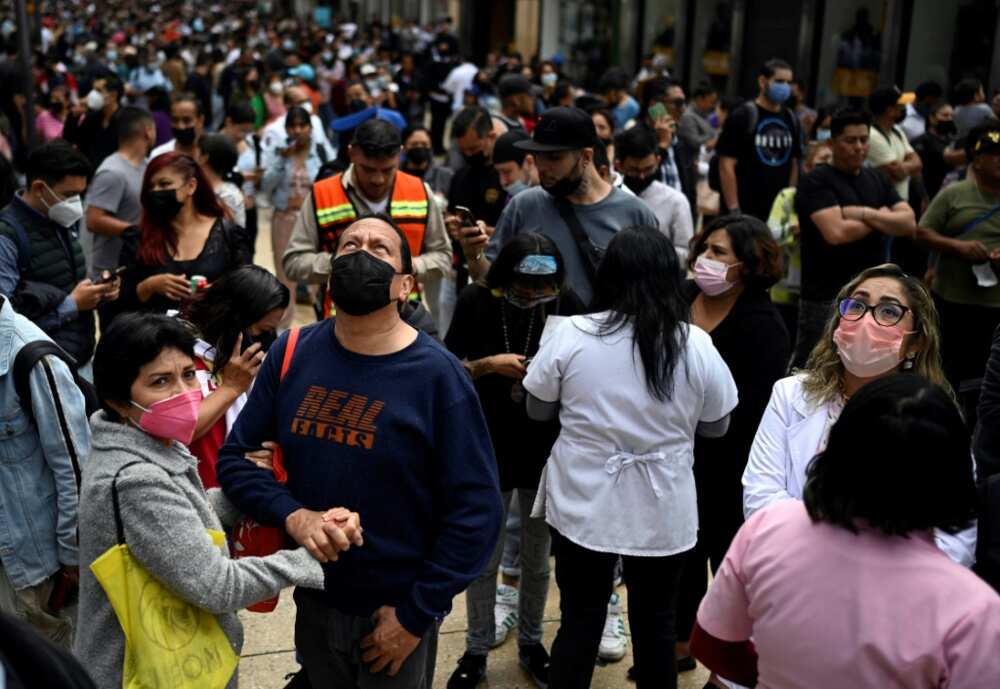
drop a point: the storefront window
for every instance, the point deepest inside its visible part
(947, 42)
(586, 38)
(659, 32)
(712, 42)
(851, 57)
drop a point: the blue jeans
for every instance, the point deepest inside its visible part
(510, 565)
(482, 593)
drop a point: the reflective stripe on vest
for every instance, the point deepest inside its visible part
(408, 206)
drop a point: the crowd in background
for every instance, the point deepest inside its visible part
(635, 325)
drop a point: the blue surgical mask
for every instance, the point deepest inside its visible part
(779, 92)
(822, 134)
(516, 188)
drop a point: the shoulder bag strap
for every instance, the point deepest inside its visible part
(278, 458)
(590, 254)
(119, 529)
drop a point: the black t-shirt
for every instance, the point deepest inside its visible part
(765, 152)
(521, 445)
(478, 189)
(930, 148)
(826, 267)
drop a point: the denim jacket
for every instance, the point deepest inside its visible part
(278, 175)
(38, 485)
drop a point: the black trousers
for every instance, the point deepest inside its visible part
(586, 579)
(440, 112)
(720, 516)
(966, 339)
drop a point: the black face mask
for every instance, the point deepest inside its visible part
(360, 283)
(357, 105)
(639, 184)
(946, 128)
(901, 115)
(265, 339)
(418, 156)
(185, 137)
(476, 160)
(565, 187)
(163, 204)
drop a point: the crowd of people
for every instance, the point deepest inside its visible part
(741, 357)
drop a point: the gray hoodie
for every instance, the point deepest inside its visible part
(165, 512)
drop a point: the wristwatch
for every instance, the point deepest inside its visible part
(735, 210)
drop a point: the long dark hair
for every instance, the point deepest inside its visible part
(158, 234)
(639, 282)
(232, 304)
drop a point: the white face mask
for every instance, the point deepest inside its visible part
(95, 100)
(67, 212)
(276, 88)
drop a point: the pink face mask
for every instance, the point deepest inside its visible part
(710, 276)
(174, 418)
(867, 348)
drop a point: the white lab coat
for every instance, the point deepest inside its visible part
(787, 439)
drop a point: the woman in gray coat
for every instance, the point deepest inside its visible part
(145, 378)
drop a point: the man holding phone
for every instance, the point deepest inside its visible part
(571, 191)
(664, 106)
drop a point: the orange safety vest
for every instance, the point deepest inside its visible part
(408, 206)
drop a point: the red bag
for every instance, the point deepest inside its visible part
(251, 539)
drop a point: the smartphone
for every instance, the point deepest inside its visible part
(658, 110)
(109, 276)
(468, 219)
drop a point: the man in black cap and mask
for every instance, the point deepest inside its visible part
(574, 205)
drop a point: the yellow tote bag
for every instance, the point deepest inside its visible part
(168, 641)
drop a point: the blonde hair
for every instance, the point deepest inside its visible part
(824, 372)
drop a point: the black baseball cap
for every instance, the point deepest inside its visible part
(882, 97)
(505, 150)
(561, 129)
(987, 142)
(513, 84)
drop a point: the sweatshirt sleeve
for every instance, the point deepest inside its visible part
(468, 520)
(166, 535)
(253, 490)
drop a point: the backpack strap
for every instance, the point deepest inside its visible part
(23, 248)
(277, 458)
(25, 361)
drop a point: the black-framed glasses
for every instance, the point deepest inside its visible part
(885, 313)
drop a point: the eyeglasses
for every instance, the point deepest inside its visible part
(885, 313)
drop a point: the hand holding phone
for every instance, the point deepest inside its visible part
(109, 276)
(466, 216)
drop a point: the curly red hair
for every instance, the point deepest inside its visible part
(158, 234)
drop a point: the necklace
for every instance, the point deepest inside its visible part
(516, 390)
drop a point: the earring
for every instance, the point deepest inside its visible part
(908, 363)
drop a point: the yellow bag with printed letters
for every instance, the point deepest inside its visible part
(168, 641)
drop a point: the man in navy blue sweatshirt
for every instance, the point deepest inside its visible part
(377, 417)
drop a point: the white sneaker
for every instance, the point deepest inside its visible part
(505, 613)
(613, 642)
